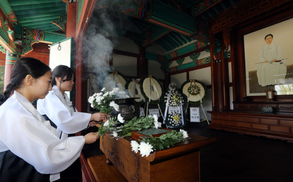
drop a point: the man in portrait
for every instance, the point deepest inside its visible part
(272, 67)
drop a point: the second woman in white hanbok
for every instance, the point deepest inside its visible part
(59, 109)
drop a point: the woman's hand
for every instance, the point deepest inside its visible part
(100, 117)
(91, 137)
(92, 123)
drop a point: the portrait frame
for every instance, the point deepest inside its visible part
(253, 43)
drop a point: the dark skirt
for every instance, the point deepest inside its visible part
(15, 169)
(72, 173)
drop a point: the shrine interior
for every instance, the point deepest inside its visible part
(217, 69)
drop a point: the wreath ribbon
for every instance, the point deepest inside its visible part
(181, 111)
(167, 106)
(191, 82)
(156, 91)
(135, 86)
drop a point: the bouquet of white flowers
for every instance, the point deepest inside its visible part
(103, 101)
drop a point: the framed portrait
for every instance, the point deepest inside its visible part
(268, 56)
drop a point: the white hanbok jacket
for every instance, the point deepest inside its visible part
(25, 133)
(60, 111)
(272, 73)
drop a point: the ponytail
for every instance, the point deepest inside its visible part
(8, 91)
(2, 99)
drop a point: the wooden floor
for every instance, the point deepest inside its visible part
(104, 172)
(237, 158)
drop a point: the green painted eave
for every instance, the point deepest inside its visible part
(31, 2)
(184, 50)
(200, 62)
(4, 36)
(176, 19)
(154, 35)
(54, 37)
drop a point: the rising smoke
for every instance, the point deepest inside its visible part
(99, 41)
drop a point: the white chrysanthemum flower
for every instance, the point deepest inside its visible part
(157, 124)
(114, 105)
(185, 135)
(106, 123)
(105, 94)
(145, 149)
(91, 101)
(155, 117)
(134, 146)
(120, 118)
(103, 89)
(99, 99)
(115, 134)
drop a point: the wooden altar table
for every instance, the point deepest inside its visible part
(178, 163)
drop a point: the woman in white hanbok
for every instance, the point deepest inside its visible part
(30, 149)
(57, 107)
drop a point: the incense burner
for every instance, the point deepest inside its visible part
(127, 107)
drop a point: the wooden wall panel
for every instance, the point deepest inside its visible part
(259, 124)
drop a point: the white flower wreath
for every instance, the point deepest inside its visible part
(174, 119)
(175, 98)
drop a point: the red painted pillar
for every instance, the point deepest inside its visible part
(8, 67)
(71, 20)
(11, 58)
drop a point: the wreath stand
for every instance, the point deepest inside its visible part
(152, 90)
(172, 88)
(193, 84)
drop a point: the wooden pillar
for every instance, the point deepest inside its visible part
(225, 76)
(80, 83)
(11, 58)
(71, 20)
(142, 63)
(167, 80)
(217, 74)
(80, 68)
(71, 32)
(212, 44)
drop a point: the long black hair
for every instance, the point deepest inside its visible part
(60, 72)
(22, 68)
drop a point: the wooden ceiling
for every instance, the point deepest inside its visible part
(39, 14)
(149, 29)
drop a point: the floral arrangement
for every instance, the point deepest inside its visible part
(145, 146)
(121, 128)
(103, 102)
(167, 140)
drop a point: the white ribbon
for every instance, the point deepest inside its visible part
(167, 106)
(181, 111)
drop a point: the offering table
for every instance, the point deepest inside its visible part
(178, 163)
